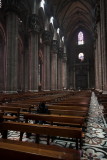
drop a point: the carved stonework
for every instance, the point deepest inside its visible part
(11, 5)
(60, 52)
(34, 23)
(54, 46)
(46, 37)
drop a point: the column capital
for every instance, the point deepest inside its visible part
(46, 37)
(34, 23)
(54, 46)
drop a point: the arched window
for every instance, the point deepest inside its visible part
(51, 20)
(81, 56)
(42, 3)
(80, 38)
(58, 30)
(63, 38)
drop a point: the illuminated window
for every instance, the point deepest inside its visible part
(80, 38)
(81, 56)
(63, 38)
(42, 3)
(0, 4)
(58, 30)
(51, 20)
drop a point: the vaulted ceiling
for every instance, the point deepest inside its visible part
(74, 14)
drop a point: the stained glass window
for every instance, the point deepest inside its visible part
(80, 38)
(81, 56)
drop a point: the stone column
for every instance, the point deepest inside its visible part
(96, 65)
(33, 52)
(46, 61)
(54, 51)
(60, 53)
(103, 5)
(64, 71)
(99, 57)
(12, 52)
(26, 70)
(2, 63)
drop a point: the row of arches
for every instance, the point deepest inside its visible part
(31, 50)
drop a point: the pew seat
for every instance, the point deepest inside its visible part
(16, 150)
(50, 131)
(56, 119)
(10, 113)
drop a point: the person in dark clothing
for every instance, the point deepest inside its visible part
(42, 108)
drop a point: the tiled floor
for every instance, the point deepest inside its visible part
(95, 142)
(95, 146)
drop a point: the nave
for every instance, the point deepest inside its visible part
(95, 140)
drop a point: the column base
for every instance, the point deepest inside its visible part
(10, 92)
(33, 90)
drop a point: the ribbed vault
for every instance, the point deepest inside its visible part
(73, 14)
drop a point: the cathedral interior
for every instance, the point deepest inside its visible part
(52, 45)
(53, 51)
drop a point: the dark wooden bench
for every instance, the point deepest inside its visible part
(49, 130)
(56, 119)
(62, 107)
(68, 112)
(10, 113)
(76, 103)
(59, 107)
(16, 150)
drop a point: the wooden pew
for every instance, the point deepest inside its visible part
(68, 112)
(14, 111)
(56, 109)
(64, 107)
(56, 119)
(15, 150)
(76, 103)
(25, 107)
(50, 131)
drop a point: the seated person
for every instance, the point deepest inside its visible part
(42, 108)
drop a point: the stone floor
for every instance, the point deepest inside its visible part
(95, 141)
(95, 146)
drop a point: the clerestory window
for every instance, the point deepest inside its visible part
(80, 38)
